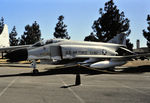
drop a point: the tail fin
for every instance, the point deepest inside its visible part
(4, 37)
(118, 39)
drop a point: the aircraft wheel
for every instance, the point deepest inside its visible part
(35, 71)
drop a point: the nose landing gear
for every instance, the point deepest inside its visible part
(33, 65)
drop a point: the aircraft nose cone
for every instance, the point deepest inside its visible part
(17, 55)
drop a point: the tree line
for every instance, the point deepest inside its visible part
(110, 23)
(32, 33)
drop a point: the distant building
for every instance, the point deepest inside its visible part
(142, 50)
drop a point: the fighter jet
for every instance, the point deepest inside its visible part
(97, 54)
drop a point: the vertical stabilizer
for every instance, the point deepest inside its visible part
(119, 39)
(4, 37)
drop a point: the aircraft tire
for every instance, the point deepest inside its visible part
(35, 71)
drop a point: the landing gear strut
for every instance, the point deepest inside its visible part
(33, 65)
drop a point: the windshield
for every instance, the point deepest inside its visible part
(45, 42)
(42, 42)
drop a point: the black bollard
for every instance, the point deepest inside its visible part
(78, 80)
(2, 55)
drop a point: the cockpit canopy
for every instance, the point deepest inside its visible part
(45, 42)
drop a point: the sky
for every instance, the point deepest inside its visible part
(79, 16)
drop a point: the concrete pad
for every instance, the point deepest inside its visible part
(18, 85)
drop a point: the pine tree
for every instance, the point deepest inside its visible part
(129, 44)
(1, 24)
(110, 23)
(146, 34)
(60, 29)
(12, 37)
(31, 35)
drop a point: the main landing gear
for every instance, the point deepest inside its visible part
(33, 65)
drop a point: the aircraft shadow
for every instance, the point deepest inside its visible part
(82, 70)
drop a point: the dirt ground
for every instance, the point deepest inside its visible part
(137, 63)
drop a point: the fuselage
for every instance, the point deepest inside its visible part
(58, 50)
(68, 49)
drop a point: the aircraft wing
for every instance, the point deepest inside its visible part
(113, 57)
(10, 48)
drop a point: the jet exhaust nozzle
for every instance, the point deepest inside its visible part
(17, 55)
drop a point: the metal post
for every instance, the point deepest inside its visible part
(2, 55)
(78, 79)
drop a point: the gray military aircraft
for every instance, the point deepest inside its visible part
(99, 55)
